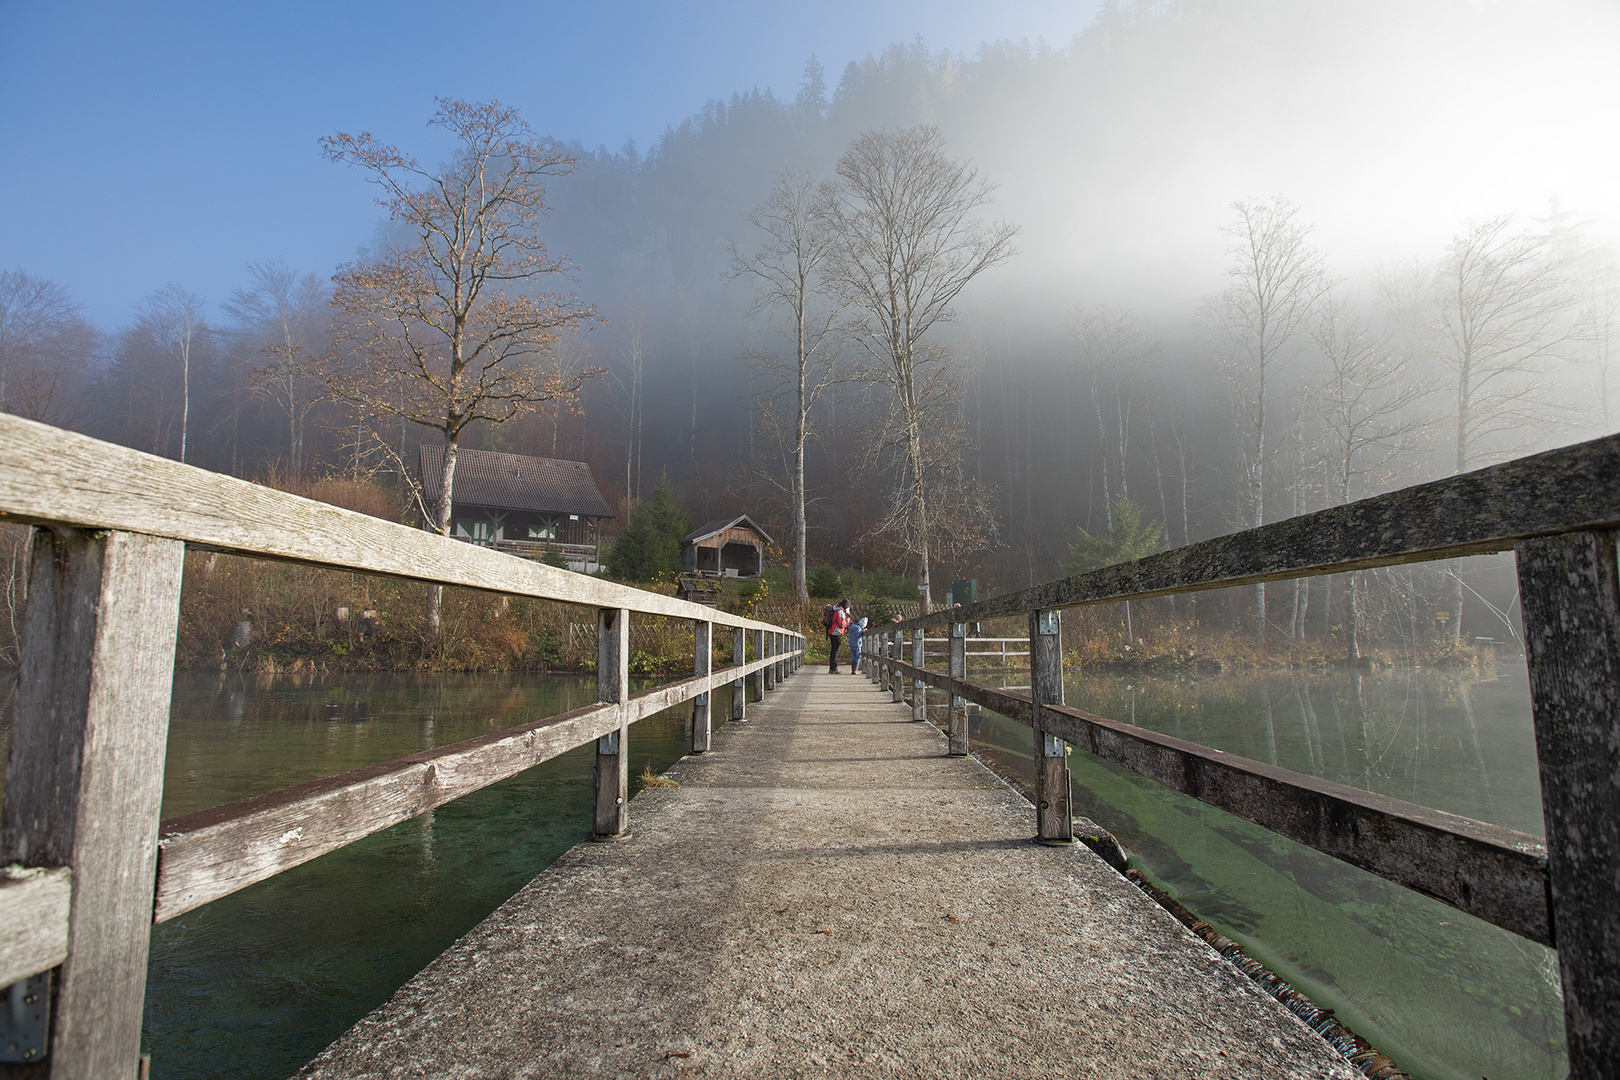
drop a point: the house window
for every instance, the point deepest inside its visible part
(542, 532)
(481, 532)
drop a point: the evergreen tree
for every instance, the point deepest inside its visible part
(1129, 538)
(651, 543)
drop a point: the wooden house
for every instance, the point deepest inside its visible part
(522, 505)
(729, 547)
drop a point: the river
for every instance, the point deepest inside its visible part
(1447, 996)
(253, 985)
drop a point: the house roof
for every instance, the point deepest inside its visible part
(721, 525)
(514, 482)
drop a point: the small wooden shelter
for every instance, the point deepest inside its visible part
(520, 504)
(729, 547)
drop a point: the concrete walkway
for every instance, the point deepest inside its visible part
(827, 894)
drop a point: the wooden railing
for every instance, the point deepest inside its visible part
(1557, 512)
(85, 865)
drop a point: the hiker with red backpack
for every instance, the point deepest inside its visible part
(835, 620)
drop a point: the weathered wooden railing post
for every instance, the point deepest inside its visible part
(84, 782)
(919, 689)
(739, 686)
(1570, 590)
(767, 649)
(781, 657)
(1054, 817)
(613, 749)
(758, 678)
(897, 684)
(702, 664)
(956, 727)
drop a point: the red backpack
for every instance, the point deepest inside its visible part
(828, 616)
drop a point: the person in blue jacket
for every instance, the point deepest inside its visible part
(856, 631)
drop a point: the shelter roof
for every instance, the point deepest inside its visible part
(720, 525)
(515, 482)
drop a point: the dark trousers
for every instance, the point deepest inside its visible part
(833, 641)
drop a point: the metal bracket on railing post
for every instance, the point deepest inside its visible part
(1049, 622)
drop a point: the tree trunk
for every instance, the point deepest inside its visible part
(441, 525)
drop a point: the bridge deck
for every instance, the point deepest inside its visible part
(827, 894)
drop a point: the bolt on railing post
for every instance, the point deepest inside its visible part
(957, 731)
(612, 773)
(1569, 587)
(702, 664)
(84, 784)
(919, 689)
(739, 685)
(1054, 816)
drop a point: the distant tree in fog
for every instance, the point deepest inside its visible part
(788, 269)
(1115, 347)
(1367, 405)
(1600, 329)
(908, 243)
(283, 318)
(45, 343)
(1276, 279)
(173, 318)
(445, 331)
(1504, 306)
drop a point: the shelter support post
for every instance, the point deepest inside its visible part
(956, 728)
(702, 664)
(84, 782)
(1054, 815)
(1570, 590)
(613, 749)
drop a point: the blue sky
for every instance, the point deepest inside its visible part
(151, 142)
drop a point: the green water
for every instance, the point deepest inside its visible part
(1447, 996)
(255, 984)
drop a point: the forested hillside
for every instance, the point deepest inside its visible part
(1171, 172)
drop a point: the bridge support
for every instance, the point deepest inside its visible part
(613, 749)
(1570, 589)
(1054, 816)
(702, 664)
(919, 689)
(84, 782)
(956, 727)
(739, 686)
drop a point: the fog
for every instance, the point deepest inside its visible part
(1391, 126)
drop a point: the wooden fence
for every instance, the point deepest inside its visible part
(86, 866)
(1557, 512)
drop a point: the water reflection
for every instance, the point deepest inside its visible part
(255, 984)
(1446, 995)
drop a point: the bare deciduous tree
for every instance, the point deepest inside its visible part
(284, 317)
(174, 317)
(1367, 405)
(42, 334)
(446, 330)
(907, 243)
(1504, 306)
(788, 270)
(1276, 279)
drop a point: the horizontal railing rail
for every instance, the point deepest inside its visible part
(86, 867)
(1557, 512)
